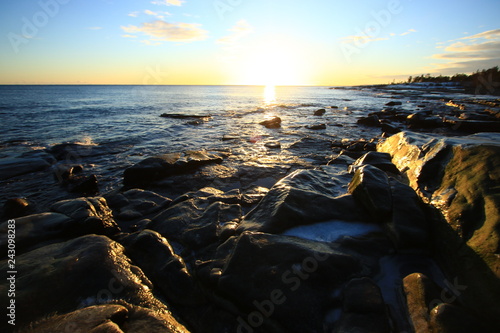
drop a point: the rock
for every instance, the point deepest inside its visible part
(136, 203)
(408, 226)
(284, 282)
(379, 160)
(155, 256)
(457, 175)
(392, 103)
(230, 137)
(194, 219)
(71, 152)
(162, 166)
(91, 215)
(316, 127)
(63, 172)
(476, 126)
(390, 129)
(110, 318)
(372, 121)
(12, 167)
(86, 185)
(273, 145)
(422, 295)
(184, 116)
(283, 207)
(370, 187)
(272, 123)
(17, 207)
(421, 120)
(306, 145)
(85, 271)
(448, 318)
(319, 112)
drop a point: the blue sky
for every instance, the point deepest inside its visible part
(315, 42)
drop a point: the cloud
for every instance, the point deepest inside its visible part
(408, 32)
(367, 37)
(470, 53)
(158, 15)
(134, 14)
(240, 30)
(168, 2)
(172, 32)
(129, 36)
(94, 28)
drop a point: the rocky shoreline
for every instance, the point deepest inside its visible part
(396, 234)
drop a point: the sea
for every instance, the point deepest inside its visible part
(126, 122)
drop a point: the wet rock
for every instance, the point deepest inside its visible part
(364, 308)
(306, 145)
(85, 271)
(136, 203)
(272, 123)
(12, 167)
(184, 116)
(86, 185)
(379, 160)
(392, 103)
(111, 318)
(448, 318)
(372, 121)
(370, 187)
(422, 295)
(408, 226)
(168, 272)
(91, 215)
(230, 137)
(63, 172)
(422, 120)
(284, 205)
(288, 278)
(162, 166)
(70, 153)
(390, 129)
(17, 207)
(476, 126)
(316, 127)
(319, 112)
(273, 145)
(194, 219)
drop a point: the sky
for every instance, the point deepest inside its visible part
(244, 42)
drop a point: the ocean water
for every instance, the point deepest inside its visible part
(125, 124)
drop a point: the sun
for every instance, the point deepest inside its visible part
(272, 65)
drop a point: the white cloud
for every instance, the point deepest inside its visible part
(470, 53)
(94, 28)
(368, 37)
(172, 32)
(168, 2)
(158, 15)
(134, 14)
(240, 30)
(408, 32)
(129, 36)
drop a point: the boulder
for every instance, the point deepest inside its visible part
(168, 272)
(316, 127)
(319, 112)
(390, 129)
(283, 282)
(272, 123)
(372, 121)
(370, 188)
(379, 160)
(392, 103)
(110, 318)
(273, 145)
(162, 166)
(304, 197)
(17, 207)
(85, 271)
(448, 318)
(12, 167)
(136, 203)
(422, 295)
(422, 120)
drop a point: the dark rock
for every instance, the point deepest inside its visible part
(284, 205)
(168, 272)
(372, 121)
(306, 145)
(64, 172)
(319, 112)
(12, 167)
(370, 187)
(289, 278)
(184, 116)
(476, 126)
(111, 318)
(316, 127)
(334, 107)
(448, 318)
(272, 123)
(158, 167)
(273, 145)
(81, 272)
(86, 185)
(422, 295)
(230, 137)
(17, 207)
(422, 120)
(390, 129)
(136, 203)
(379, 160)
(392, 103)
(408, 226)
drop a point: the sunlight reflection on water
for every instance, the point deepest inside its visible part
(269, 94)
